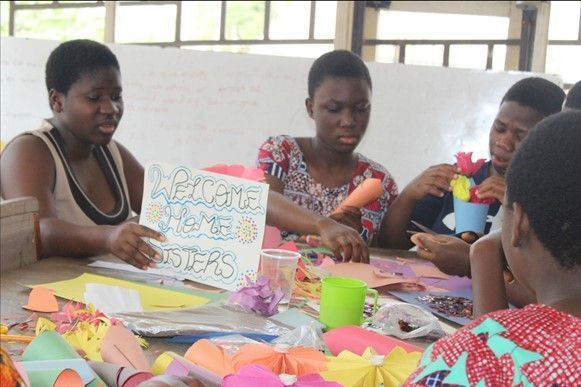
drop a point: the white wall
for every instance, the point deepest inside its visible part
(203, 108)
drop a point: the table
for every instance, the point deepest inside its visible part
(14, 294)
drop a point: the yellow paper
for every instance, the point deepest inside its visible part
(371, 369)
(461, 188)
(151, 298)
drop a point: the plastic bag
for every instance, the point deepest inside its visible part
(406, 321)
(304, 336)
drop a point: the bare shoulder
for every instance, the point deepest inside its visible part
(26, 162)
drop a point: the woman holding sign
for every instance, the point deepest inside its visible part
(319, 172)
(88, 185)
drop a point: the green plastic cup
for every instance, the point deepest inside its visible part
(342, 301)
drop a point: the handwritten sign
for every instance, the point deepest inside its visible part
(214, 224)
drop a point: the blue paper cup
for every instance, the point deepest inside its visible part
(470, 216)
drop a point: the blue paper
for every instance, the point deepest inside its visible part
(78, 365)
(190, 339)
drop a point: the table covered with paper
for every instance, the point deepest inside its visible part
(205, 311)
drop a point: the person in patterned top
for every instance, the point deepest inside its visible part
(541, 237)
(319, 172)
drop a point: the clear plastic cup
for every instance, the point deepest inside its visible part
(280, 267)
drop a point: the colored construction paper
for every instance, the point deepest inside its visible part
(170, 363)
(281, 359)
(119, 346)
(213, 223)
(295, 318)
(118, 376)
(257, 375)
(55, 378)
(50, 345)
(237, 170)
(366, 273)
(422, 270)
(371, 369)
(79, 365)
(210, 356)
(357, 340)
(42, 299)
(272, 238)
(112, 299)
(370, 189)
(151, 298)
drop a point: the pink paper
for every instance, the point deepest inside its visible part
(272, 238)
(357, 340)
(237, 170)
(257, 375)
(366, 273)
(428, 271)
(290, 246)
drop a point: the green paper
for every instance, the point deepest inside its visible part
(43, 378)
(49, 346)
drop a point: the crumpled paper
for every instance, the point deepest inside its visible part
(256, 375)
(466, 165)
(371, 369)
(461, 188)
(475, 199)
(258, 297)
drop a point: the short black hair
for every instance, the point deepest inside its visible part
(335, 64)
(544, 178)
(573, 100)
(71, 59)
(541, 95)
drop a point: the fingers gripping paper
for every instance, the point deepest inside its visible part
(214, 224)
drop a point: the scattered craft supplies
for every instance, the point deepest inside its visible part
(151, 298)
(258, 297)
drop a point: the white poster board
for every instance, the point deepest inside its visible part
(214, 224)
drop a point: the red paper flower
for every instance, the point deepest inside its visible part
(475, 199)
(466, 165)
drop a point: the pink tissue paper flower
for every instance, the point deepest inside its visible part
(466, 165)
(258, 297)
(475, 199)
(257, 375)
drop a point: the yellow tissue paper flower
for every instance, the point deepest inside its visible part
(371, 369)
(461, 188)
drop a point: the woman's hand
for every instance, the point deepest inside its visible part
(126, 242)
(449, 253)
(435, 181)
(349, 216)
(344, 241)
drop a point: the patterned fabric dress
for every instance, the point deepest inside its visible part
(281, 157)
(536, 345)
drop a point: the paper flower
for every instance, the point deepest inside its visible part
(371, 369)
(466, 165)
(256, 375)
(475, 199)
(461, 188)
(258, 297)
(281, 359)
(210, 356)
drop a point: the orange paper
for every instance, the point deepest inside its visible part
(42, 299)
(374, 277)
(365, 192)
(120, 346)
(210, 356)
(281, 359)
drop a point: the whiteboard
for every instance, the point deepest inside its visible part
(202, 108)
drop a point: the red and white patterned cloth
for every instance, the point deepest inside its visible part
(536, 345)
(281, 157)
